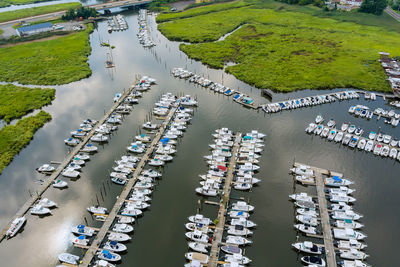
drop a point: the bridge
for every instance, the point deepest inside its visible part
(122, 4)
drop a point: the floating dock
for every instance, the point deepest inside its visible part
(91, 252)
(219, 228)
(37, 195)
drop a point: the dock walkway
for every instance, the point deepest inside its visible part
(125, 193)
(37, 195)
(219, 228)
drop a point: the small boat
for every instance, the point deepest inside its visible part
(74, 166)
(97, 209)
(243, 186)
(68, 258)
(148, 125)
(59, 184)
(385, 151)
(238, 230)
(378, 149)
(238, 214)
(369, 146)
(302, 196)
(195, 256)
(341, 189)
(361, 143)
(344, 127)
(197, 236)
(319, 119)
(325, 132)
(393, 153)
(313, 261)
(331, 123)
(348, 234)
(341, 197)
(353, 141)
(307, 212)
(304, 179)
(348, 224)
(89, 148)
(71, 173)
(199, 227)
(143, 138)
(207, 191)
(71, 141)
(151, 173)
(47, 203)
(156, 162)
(198, 247)
(80, 240)
(346, 139)
(309, 220)
(332, 134)
(125, 219)
(346, 215)
(358, 131)
(114, 246)
(237, 240)
(237, 258)
(352, 129)
(305, 204)
(103, 263)
(108, 256)
(131, 212)
(243, 222)
(118, 175)
(39, 210)
(308, 247)
(118, 237)
(336, 181)
(306, 229)
(311, 128)
(230, 249)
(16, 225)
(122, 228)
(355, 263)
(99, 138)
(303, 170)
(339, 136)
(318, 130)
(349, 244)
(242, 206)
(83, 230)
(199, 218)
(353, 254)
(46, 168)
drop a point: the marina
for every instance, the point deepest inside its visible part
(391, 117)
(117, 23)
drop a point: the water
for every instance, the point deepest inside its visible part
(159, 236)
(17, 7)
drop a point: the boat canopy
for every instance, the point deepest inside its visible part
(336, 179)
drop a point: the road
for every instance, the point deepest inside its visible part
(392, 13)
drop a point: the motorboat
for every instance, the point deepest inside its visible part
(336, 181)
(307, 212)
(393, 153)
(341, 197)
(47, 203)
(308, 247)
(341, 189)
(80, 240)
(332, 134)
(199, 227)
(97, 210)
(341, 206)
(306, 229)
(346, 139)
(238, 230)
(309, 220)
(344, 127)
(39, 210)
(198, 247)
(242, 206)
(125, 219)
(237, 258)
(135, 149)
(15, 226)
(143, 138)
(156, 162)
(301, 196)
(83, 230)
(361, 143)
(243, 186)
(385, 151)
(199, 218)
(311, 128)
(304, 179)
(349, 244)
(313, 260)
(378, 149)
(237, 240)
(230, 249)
(353, 141)
(369, 146)
(303, 170)
(74, 166)
(139, 205)
(142, 185)
(150, 126)
(356, 263)
(118, 175)
(305, 204)
(151, 173)
(78, 133)
(353, 254)
(70, 173)
(68, 258)
(318, 130)
(114, 246)
(163, 157)
(348, 234)
(103, 263)
(331, 123)
(387, 138)
(346, 215)
(123, 169)
(108, 256)
(139, 197)
(46, 168)
(122, 228)
(247, 179)
(243, 222)
(131, 212)
(238, 214)
(348, 224)
(319, 119)
(82, 156)
(325, 132)
(89, 148)
(197, 236)
(99, 138)
(207, 191)
(71, 141)
(196, 256)
(59, 184)
(352, 129)
(119, 237)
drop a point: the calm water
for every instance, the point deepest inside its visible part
(159, 236)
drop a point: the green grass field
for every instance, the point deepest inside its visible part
(4, 3)
(287, 48)
(15, 137)
(34, 11)
(16, 101)
(59, 61)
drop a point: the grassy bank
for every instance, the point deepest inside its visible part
(15, 137)
(16, 101)
(34, 11)
(59, 61)
(4, 3)
(287, 49)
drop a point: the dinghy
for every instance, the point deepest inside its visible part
(16, 225)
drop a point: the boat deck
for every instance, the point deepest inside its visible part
(37, 195)
(91, 252)
(219, 228)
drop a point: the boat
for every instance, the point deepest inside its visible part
(358, 131)
(243, 222)
(207, 191)
(378, 149)
(308, 247)
(46, 168)
(230, 249)
(318, 130)
(393, 153)
(197, 236)
(237, 240)
(387, 138)
(353, 254)
(83, 230)
(242, 206)
(202, 258)
(346, 215)
(385, 151)
(309, 220)
(355, 263)
(348, 224)
(237, 258)
(80, 240)
(305, 204)
(348, 234)
(353, 141)
(89, 148)
(349, 244)
(47, 203)
(352, 129)
(341, 197)
(39, 210)
(59, 184)
(325, 132)
(97, 209)
(199, 227)
(369, 146)
(71, 141)
(119, 237)
(199, 218)
(125, 219)
(332, 134)
(103, 263)
(238, 214)
(336, 181)
(361, 143)
(68, 258)
(156, 162)
(306, 229)
(307, 212)
(99, 138)
(341, 206)
(331, 123)
(139, 205)
(131, 212)
(344, 127)
(311, 128)
(15, 226)
(339, 136)
(122, 228)
(346, 139)
(319, 119)
(313, 261)
(238, 230)
(341, 189)
(71, 173)
(301, 196)
(149, 126)
(114, 246)
(151, 173)
(198, 247)
(303, 170)
(108, 256)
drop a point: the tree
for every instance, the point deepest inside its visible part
(373, 6)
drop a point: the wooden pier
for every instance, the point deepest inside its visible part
(91, 252)
(219, 227)
(323, 211)
(37, 194)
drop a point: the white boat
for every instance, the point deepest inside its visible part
(71, 141)
(353, 254)
(156, 162)
(199, 218)
(80, 240)
(369, 146)
(311, 128)
(118, 175)
(346, 139)
(242, 206)
(139, 197)
(103, 263)
(346, 215)
(151, 173)
(238, 230)
(355, 263)
(89, 148)
(99, 138)
(319, 119)
(348, 224)
(125, 219)
(114, 246)
(16, 225)
(378, 149)
(108, 256)
(331, 123)
(139, 205)
(143, 138)
(230, 249)
(83, 230)
(237, 258)
(198, 247)
(313, 260)
(71, 173)
(341, 197)
(305, 204)
(243, 222)
(344, 127)
(243, 186)
(199, 227)
(195, 256)
(74, 166)
(46, 168)
(39, 210)
(307, 212)
(131, 212)
(150, 126)
(341, 189)
(318, 130)
(97, 209)
(325, 132)
(59, 184)
(332, 134)
(385, 151)
(119, 237)
(352, 128)
(68, 258)
(306, 229)
(336, 181)
(347, 234)
(207, 191)
(122, 228)
(301, 196)
(341, 206)
(350, 244)
(47, 203)
(304, 179)
(303, 170)
(237, 240)
(197, 236)
(361, 143)
(308, 247)
(238, 214)
(393, 153)
(309, 220)
(163, 157)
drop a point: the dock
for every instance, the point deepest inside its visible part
(323, 210)
(219, 227)
(37, 195)
(91, 252)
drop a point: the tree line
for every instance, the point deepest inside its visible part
(80, 12)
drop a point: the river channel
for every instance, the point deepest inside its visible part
(159, 236)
